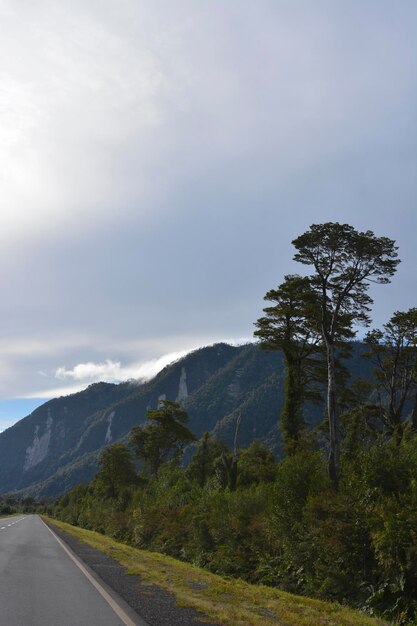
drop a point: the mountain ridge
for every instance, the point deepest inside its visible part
(58, 444)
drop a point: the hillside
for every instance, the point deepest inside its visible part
(57, 446)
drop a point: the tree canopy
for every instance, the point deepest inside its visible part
(163, 438)
(292, 325)
(344, 262)
(393, 351)
(116, 470)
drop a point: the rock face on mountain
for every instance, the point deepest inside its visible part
(57, 446)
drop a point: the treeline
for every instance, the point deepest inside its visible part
(336, 518)
(283, 524)
(10, 504)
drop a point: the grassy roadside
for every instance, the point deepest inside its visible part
(228, 601)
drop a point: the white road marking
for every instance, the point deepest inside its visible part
(11, 524)
(116, 608)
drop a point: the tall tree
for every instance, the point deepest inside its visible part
(163, 438)
(205, 458)
(292, 325)
(345, 262)
(116, 470)
(414, 413)
(393, 351)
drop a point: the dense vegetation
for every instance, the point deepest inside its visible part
(222, 599)
(8, 505)
(336, 517)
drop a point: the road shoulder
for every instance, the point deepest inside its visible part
(154, 605)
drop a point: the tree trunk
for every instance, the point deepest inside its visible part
(235, 458)
(414, 414)
(332, 413)
(291, 413)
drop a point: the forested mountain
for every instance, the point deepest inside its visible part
(57, 446)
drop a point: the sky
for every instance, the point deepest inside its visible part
(157, 159)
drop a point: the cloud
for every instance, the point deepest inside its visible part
(91, 371)
(77, 90)
(157, 159)
(109, 114)
(106, 371)
(113, 371)
(54, 392)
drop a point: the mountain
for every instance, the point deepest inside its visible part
(57, 446)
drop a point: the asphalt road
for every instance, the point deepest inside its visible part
(42, 583)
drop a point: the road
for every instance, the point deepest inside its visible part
(43, 584)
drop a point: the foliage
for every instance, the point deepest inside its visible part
(227, 601)
(206, 460)
(292, 325)
(344, 261)
(257, 465)
(283, 525)
(393, 352)
(163, 438)
(116, 471)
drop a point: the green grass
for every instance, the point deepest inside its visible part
(230, 602)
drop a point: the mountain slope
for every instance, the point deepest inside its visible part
(63, 437)
(57, 446)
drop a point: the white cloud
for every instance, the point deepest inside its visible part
(113, 371)
(109, 370)
(105, 371)
(149, 369)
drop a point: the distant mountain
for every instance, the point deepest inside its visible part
(57, 446)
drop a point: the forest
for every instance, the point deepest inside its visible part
(336, 516)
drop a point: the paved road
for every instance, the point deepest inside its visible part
(41, 585)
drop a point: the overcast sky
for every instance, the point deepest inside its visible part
(158, 157)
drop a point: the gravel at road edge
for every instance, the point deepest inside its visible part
(153, 604)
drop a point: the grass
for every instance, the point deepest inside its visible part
(230, 602)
